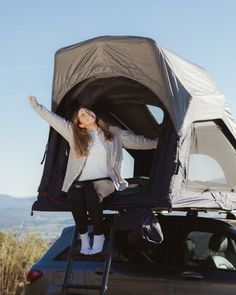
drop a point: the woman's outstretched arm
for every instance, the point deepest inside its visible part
(60, 124)
(137, 142)
(133, 141)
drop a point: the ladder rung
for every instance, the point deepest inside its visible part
(92, 287)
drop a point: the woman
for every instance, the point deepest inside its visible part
(94, 166)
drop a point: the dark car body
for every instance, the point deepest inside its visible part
(186, 262)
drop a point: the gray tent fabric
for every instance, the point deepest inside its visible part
(136, 58)
(121, 76)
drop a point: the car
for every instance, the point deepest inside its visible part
(197, 256)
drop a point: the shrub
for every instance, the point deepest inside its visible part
(18, 251)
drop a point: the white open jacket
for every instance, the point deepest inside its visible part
(122, 138)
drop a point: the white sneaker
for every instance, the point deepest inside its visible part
(98, 242)
(86, 251)
(85, 244)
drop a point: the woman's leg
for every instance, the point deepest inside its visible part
(78, 208)
(95, 192)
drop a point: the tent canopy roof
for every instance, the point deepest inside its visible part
(172, 79)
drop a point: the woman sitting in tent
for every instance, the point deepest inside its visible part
(94, 166)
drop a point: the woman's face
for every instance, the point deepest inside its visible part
(86, 118)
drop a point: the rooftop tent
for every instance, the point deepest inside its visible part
(120, 78)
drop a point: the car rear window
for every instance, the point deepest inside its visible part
(123, 252)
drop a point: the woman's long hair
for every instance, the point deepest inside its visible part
(82, 138)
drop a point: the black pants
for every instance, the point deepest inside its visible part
(87, 196)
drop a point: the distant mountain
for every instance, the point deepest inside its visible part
(14, 210)
(15, 213)
(8, 201)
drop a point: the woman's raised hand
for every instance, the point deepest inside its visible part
(32, 99)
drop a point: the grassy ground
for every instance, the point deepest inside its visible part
(18, 251)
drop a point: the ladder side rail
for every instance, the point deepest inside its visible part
(70, 261)
(107, 265)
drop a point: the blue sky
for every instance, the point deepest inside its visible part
(202, 31)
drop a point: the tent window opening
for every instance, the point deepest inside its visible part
(157, 113)
(205, 168)
(127, 166)
(212, 157)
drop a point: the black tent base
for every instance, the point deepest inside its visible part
(136, 195)
(114, 202)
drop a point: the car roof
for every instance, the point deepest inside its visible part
(203, 220)
(209, 218)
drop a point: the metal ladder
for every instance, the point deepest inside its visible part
(106, 269)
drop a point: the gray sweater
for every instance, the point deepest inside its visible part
(122, 138)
